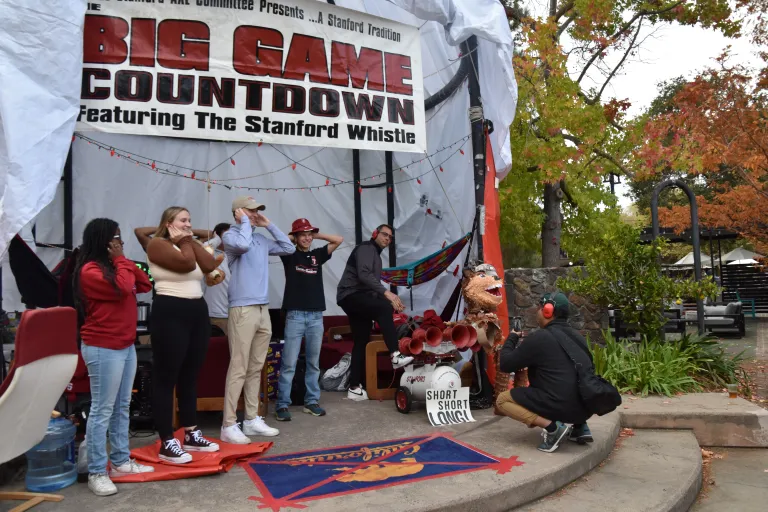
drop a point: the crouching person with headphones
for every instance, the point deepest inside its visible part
(365, 300)
(552, 399)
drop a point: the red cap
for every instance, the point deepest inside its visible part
(302, 225)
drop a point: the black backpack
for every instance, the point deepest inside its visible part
(597, 394)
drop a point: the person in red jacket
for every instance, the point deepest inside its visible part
(105, 287)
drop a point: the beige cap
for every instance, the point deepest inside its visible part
(247, 202)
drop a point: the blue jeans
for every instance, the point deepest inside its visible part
(111, 373)
(309, 325)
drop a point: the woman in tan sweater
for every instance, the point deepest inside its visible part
(180, 329)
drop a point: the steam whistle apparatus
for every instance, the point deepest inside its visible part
(434, 352)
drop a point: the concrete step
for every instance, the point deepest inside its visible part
(715, 419)
(651, 471)
(347, 423)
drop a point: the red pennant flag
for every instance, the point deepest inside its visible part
(153, 165)
(443, 247)
(293, 166)
(73, 138)
(441, 168)
(259, 144)
(193, 174)
(111, 152)
(389, 189)
(461, 151)
(327, 182)
(360, 189)
(418, 180)
(232, 161)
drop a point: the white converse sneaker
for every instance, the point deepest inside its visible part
(257, 427)
(399, 360)
(171, 451)
(101, 485)
(357, 394)
(131, 467)
(233, 435)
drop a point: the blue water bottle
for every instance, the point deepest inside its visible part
(51, 462)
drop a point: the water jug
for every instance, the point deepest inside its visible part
(51, 463)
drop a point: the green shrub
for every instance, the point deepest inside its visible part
(715, 368)
(646, 368)
(621, 273)
(677, 366)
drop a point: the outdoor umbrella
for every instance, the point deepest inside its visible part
(741, 253)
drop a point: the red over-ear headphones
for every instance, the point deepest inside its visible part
(374, 234)
(547, 307)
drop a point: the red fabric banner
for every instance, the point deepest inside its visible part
(491, 242)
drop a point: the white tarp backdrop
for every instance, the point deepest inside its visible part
(434, 192)
(290, 72)
(40, 61)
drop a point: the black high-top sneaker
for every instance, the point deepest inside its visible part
(171, 451)
(195, 442)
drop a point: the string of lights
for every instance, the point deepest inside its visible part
(152, 164)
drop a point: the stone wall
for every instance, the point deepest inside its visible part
(525, 286)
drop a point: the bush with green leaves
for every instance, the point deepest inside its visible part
(621, 273)
(692, 363)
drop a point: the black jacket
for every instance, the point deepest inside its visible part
(362, 272)
(553, 393)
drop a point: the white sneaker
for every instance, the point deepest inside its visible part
(399, 360)
(101, 485)
(357, 394)
(131, 468)
(233, 435)
(257, 427)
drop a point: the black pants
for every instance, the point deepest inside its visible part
(363, 309)
(180, 331)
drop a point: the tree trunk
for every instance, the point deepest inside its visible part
(552, 226)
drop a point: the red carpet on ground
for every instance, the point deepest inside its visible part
(203, 463)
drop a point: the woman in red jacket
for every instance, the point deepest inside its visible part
(105, 286)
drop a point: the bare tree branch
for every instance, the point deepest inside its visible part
(599, 152)
(565, 24)
(563, 10)
(624, 28)
(621, 63)
(567, 193)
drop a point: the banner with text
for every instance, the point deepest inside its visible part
(296, 72)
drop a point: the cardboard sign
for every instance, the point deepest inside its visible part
(448, 406)
(296, 72)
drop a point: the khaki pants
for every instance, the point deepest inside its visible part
(221, 323)
(509, 407)
(249, 332)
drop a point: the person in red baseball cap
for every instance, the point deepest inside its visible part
(304, 303)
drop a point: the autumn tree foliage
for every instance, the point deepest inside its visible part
(717, 129)
(567, 136)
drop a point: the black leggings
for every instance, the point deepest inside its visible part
(362, 309)
(180, 331)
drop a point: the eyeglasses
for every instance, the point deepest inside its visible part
(117, 237)
(386, 235)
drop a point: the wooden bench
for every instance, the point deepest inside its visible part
(372, 351)
(217, 403)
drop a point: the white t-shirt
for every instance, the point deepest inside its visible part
(216, 296)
